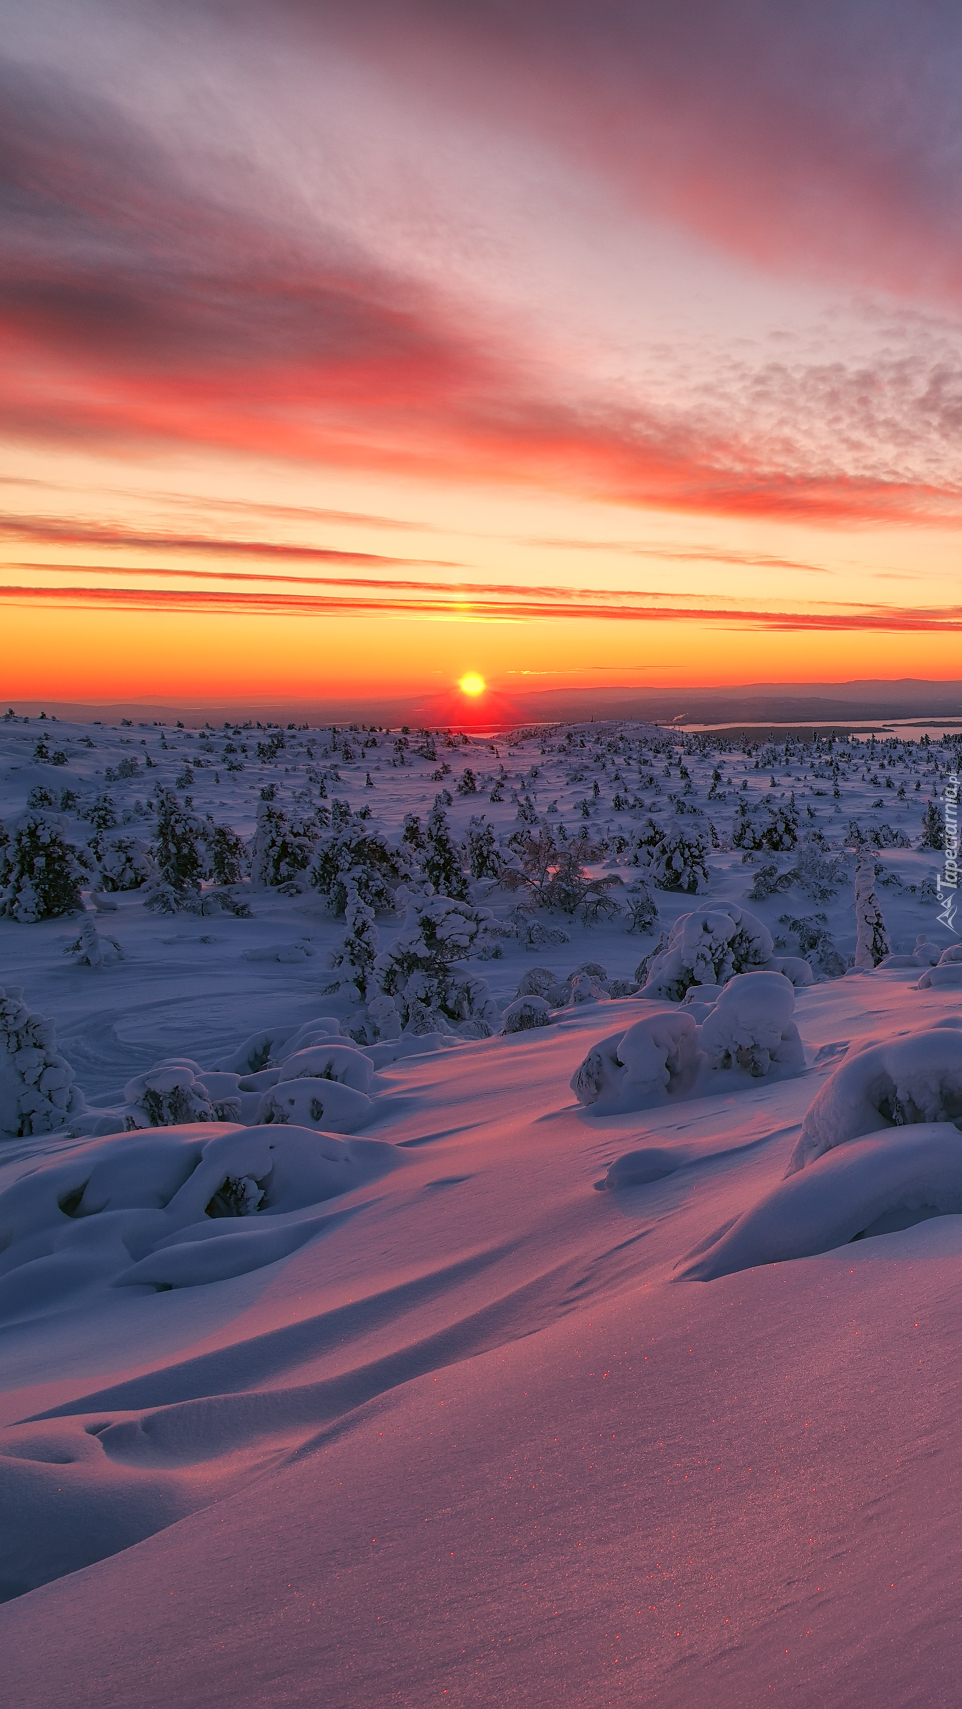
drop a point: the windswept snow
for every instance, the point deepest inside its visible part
(492, 1234)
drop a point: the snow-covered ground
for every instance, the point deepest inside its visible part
(349, 1355)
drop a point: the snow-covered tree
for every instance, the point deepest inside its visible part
(37, 1091)
(356, 855)
(933, 827)
(358, 949)
(125, 862)
(93, 948)
(179, 845)
(872, 942)
(40, 872)
(226, 853)
(481, 848)
(420, 968)
(640, 904)
(440, 861)
(679, 860)
(281, 847)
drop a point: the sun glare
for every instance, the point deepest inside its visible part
(472, 684)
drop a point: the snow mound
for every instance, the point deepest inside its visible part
(339, 1061)
(266, 1048)
(656, 1059)
(747, 1031)
(638, 1168)
(876, 1184)
(315, 1103)
(894, 1082)
(751, 1025)
(175, 1207)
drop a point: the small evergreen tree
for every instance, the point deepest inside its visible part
(481, 848)
(280, 847)
(40, 872)
(933, 827)
(179, 846)
(226, 853)
(679, 861)
(358, 950)
(440, 861)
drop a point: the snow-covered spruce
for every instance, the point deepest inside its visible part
(420, 969)
(37, 1090)
(709, 946)
(40, 872)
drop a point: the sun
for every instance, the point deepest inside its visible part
(472, 683)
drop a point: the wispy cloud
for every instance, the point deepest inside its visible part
(491, 604)
(48, 531)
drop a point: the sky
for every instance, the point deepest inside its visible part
(350, 348)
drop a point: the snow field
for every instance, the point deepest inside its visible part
(410, 1411)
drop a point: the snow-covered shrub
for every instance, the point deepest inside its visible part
(815, 873)
(640, 908)
(706, 948)
(525, 1013)
(92, 949)
(419, 969)
(541, 982)
(815, 943)
(751, 1025)
(215, 1184)
(552, 874)
(37, 1091)
(656, 1059)
(534, 934)
(768, 882)
(40, 872)
(679, 861)
(125, 862)
(772, 826)
(872, 944)
(925, 954)
(892, 1082)
(168, 1094)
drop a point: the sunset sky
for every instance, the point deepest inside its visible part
(348, 348)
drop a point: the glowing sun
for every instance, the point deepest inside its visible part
(472, 683)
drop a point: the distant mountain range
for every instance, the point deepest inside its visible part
(759, 702)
